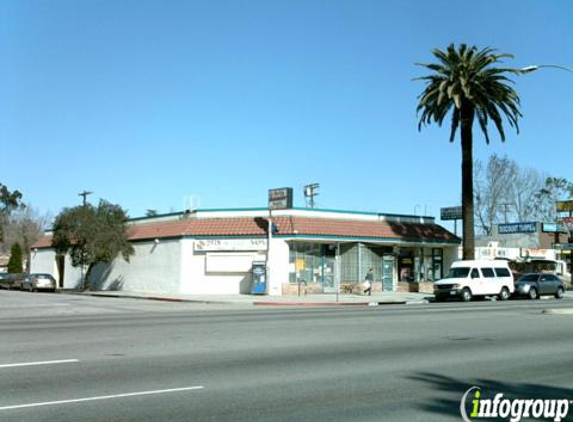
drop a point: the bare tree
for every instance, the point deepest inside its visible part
(24, 226)
(525, 186)
(506, 192)
(492, 188)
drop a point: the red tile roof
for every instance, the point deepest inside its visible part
(287, 226)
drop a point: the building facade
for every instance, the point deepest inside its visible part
(523, 241)
(305, 250)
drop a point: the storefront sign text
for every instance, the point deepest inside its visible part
(516, 228)
(230, 244)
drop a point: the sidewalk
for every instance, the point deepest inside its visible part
(384, 298)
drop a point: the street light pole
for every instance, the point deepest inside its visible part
(533, 68)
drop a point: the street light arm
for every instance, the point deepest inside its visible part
(533, 68)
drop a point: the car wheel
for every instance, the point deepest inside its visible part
(466, 295)
(533, 293)
(438, 299)
(504, 294)
(559, 293)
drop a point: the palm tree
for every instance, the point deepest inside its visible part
(465, 82)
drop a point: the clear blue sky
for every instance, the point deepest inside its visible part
(147, 102)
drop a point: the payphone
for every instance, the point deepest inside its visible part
(259, 272)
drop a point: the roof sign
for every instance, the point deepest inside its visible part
(280, 199)
(514, 228)
(451, 213)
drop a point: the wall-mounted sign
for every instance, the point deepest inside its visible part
(514, 228)
(563, 246)
(564, 206)
(280, 199)
(451, 213)
(553, 228)
(231, 244)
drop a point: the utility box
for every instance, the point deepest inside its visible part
(259, 272)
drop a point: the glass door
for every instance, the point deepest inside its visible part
(328, 269)
(388, 273)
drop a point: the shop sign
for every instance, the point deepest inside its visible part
(563, 246)
(451, 213)
(230, 244)
(535, 253)
(513, 228)
(553, 228)
(564, 206)
(280, 199)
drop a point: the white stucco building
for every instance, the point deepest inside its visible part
(214, 251)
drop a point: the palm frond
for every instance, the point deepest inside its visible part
(466, 77)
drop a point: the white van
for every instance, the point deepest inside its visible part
(467, 279)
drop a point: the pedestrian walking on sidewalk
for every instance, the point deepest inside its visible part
(368, 280)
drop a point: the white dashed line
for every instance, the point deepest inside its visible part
(86, 399)
(47, 362)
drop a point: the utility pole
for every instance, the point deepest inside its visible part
(505, 211)
(85, 194)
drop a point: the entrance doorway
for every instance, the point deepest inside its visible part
(329, 269)
(388, 273)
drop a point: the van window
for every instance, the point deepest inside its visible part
(460, 272)
(488, 272)
(475, 273)
(502, 272)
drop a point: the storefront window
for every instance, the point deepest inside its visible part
(307, 263)
(430, 268)
(406, 265)
(437, 264)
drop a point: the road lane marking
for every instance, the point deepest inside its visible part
(46, 362)
(115, 396)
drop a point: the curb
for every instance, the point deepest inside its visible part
(337, 303)
(312, 303)
(248, 303)
(158, 299)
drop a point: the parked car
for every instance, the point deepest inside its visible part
(17, 280)
(5, 281)
(11, 281)
(467, 279)
(35, 282)
(534, 285)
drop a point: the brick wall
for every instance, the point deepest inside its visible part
(415, 287)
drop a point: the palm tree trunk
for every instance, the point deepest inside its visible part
(467, 118)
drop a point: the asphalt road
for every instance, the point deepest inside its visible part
(69, 358)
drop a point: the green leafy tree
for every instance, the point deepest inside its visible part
(465, 84)
(9, 201)
(15, 263)
(555, 189)
(92, 235)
